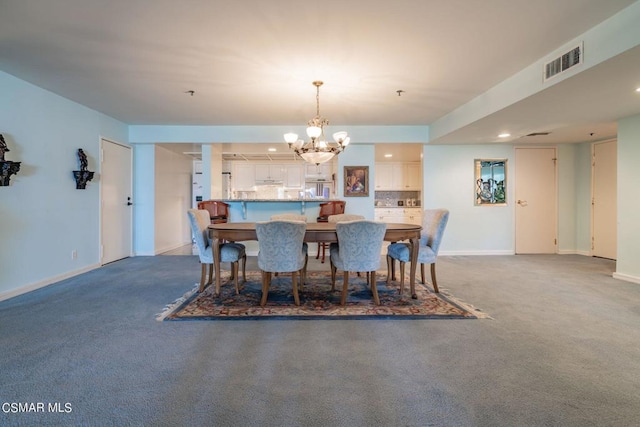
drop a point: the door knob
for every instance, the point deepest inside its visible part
(522, 202)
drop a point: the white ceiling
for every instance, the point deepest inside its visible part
(251, 62)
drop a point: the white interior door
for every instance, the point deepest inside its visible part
(535, 191)
(116, 210)
(604, 200)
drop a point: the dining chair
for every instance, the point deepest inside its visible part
(229, 252)
(281, 250)
(434, 221)
(218, 210)
(358, 250)
(334, 207)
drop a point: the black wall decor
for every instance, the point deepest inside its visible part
(7, 167)
(83, 175)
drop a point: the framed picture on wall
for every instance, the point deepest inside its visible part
(356, 181)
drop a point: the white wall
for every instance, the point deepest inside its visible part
(42, 215)
(448, 182)
(172, 200)
(628, 265)
(357, 155)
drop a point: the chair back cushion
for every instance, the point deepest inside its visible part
(434, 221)
(199, 220)
(280, 246)
(360, 243)
(344, 217)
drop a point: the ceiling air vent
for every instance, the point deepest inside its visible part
(564, 62)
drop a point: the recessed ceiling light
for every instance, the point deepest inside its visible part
(271, 149)
(388, 155)
(504, 135)
(638, 89)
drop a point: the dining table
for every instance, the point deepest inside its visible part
(315, 232)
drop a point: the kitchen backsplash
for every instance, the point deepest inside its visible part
(392, 198)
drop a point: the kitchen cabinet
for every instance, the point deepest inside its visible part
(322, 171)
(402, 215)
(269, 173)
(243, 176)
(398, 176)
(293, 176)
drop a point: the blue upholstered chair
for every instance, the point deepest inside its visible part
(358, 250)
(281, 250)
(229, 252)
(434, 221)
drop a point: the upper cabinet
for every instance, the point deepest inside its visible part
(320, 172)
(245, 176)
(269, 173)
(398, 176)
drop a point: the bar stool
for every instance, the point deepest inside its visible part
(326, 209)
(218, 210)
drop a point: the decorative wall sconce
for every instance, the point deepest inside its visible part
(83, 175)
(7, 167)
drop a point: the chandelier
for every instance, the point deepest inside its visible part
(317, 150)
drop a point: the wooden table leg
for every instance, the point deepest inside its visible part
(415, 242)
(215, 246)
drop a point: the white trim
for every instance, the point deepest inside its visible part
(626, 278)
(41, 284)
(169, 248)
(478, 252)
(573, 252)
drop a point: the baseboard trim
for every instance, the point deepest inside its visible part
(170, 248)
(573, 252)
(473, 253)
(626, 278)
(41, 284)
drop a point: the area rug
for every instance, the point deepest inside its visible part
(317, 301)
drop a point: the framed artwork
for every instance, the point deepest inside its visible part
(356, 181)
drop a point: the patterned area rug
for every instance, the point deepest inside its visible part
(317, 301)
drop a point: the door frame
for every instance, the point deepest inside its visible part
(555, 196)
(593, 183)
(104, 140)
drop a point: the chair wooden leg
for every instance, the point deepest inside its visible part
(433, 278)
(374, 288)
(324, 247)
(333, 276)
(422, 273)
(345, 287)
(294, 283)
(203, 275)
(389, 260)
(304, 271)
(210, 280)
(266, 278)
(319, 249)
(402, 277)
(244, 269)
(234, 267)
(393, 269)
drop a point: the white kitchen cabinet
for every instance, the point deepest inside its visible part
(293, 176)
(412, 176)
(401, 215)
(398, 176)
(322, 171)
(243, 176)
(267, 173)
